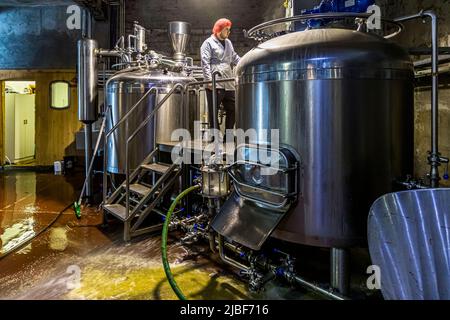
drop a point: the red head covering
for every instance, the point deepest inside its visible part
(220, 25)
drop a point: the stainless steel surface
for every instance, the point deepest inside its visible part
(117, 210)
(139, 32)
(343, 104)
(139, 189)
(160, 168)
(246, 222)
(179, 33)
(340, 271)
(125, 89)
(409, 241)
(87, 81)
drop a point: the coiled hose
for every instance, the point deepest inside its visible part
(165, 232)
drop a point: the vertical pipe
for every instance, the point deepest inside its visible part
(87, 160)
(435, 156)
(86, 22)
(214, 99)
(87, 97)
(215, 113)
(122, 18)
(339, 270)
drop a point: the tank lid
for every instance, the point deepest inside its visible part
(332, 48)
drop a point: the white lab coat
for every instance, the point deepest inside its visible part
(217, 58)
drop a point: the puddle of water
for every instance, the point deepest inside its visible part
(16, 235)
(58, 239)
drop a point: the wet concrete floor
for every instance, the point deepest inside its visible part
(78, 259)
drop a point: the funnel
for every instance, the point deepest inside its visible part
(179, 33)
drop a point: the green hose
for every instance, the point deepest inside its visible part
(165, 231)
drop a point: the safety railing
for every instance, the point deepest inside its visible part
(182, 88)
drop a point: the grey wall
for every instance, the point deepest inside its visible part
(36, 38)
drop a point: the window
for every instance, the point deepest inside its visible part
(59, 95)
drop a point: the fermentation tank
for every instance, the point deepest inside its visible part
(123, 91)
(343, 103)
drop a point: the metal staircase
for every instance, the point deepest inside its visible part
(148, 184)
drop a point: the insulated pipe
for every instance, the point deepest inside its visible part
(165, 232)
(434, 158)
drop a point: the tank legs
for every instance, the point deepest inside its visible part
(340, 270)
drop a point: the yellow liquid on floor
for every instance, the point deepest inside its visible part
(151, 283)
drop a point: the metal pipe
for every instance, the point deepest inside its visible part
(292, 277)
(109, 53)
(88, 173)
(214, 99)
(87, 159)
(86, 23)
(315, 288)
(227, 259)
(87, 99)
(87, 80)
(198, 83)
(434, 159)
(339, 270)
(211, 235)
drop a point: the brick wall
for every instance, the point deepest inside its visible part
(155, 16)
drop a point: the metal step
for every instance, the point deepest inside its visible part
(116, 210)
(140, 189)
(156, 167)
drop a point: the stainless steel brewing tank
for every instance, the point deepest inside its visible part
(123, 91)
(343, 103)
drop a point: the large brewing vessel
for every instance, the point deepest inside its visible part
(342, 101)
(124, 90)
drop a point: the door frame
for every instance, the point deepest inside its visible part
(3, 115)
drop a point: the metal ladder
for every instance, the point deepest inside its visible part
(143, 197)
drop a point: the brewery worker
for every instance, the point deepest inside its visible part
(217, 54)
